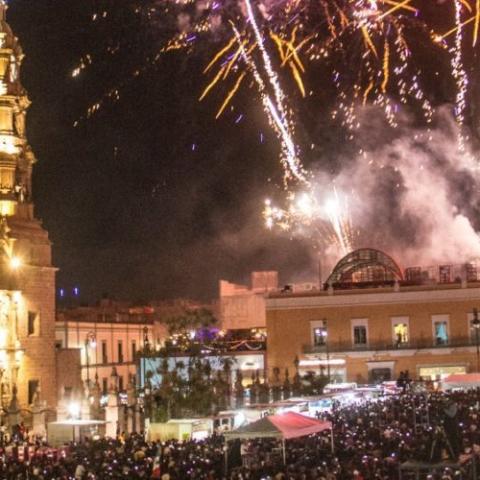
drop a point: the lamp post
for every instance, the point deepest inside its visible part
(476, 327)
(146, 342)
(90, 341)
(325, 340)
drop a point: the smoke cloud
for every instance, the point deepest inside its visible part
(411, 192)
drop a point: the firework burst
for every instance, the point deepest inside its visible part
(365, 49)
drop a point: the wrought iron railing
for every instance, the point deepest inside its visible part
(422, 343)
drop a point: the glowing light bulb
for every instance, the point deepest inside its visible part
(15, 263)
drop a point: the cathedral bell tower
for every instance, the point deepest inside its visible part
(16, 157)
(27, 277)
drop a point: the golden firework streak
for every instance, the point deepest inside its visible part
(298, 78)
(212, 83)
(454, 29)
(386, 66)
(404, 7)
(219, 55)
(393, 9)
(367, 91)
(231, 94)
(235, 58)
(477, 22)
(368, 40)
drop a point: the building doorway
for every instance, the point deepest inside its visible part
(379, 375)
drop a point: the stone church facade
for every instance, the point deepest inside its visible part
(27, 276)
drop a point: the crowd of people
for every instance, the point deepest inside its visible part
(372, 439)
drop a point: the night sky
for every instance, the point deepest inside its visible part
(152, 198)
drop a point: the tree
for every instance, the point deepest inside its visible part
(239, 390)
(286, 385)
(191, 319)
(277, 386)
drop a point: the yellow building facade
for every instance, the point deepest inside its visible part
(27, 277)
(373, 321)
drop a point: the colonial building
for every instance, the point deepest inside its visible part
(374, 320)
(108, 336)
(27, 277)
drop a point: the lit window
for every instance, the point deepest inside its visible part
(441, 332)
(440, 329)
(319, 336)
(400, 333)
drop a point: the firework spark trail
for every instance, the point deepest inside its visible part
(339, 219)
(279, 112)
(289, 158)
(459, 74)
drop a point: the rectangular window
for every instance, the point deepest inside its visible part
(104, 386)
(440, 324)
(32, 389)
(120, 383)
(120, 351)
(319, 336)
(32, 323)
(104, 352)
(318, 329)
(134, 349)
(359, 331)
(400, 331)
(440, 329)
(360, 335)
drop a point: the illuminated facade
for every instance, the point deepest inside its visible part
(373, 321)
(27, 278)
(108, 335)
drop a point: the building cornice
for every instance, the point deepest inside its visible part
(381, 298)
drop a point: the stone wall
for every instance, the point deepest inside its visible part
(68, 371)
(39, 359)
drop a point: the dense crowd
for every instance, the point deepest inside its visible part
(372, 439)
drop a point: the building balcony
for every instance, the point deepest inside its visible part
(417, 344)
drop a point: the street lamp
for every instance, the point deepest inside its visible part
(476, 327)
(146, 342)
(15, 263)
(325, 341)
(90, 341)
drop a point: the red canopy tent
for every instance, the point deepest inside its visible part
(283, 426)
(461, 381)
